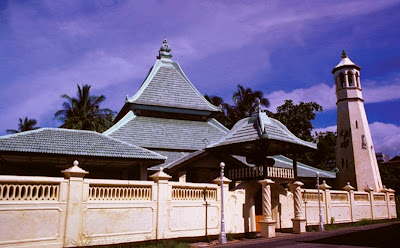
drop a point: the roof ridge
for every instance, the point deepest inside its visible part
(127, 117)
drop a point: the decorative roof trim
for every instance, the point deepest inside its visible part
(217, 124)
(129, 116)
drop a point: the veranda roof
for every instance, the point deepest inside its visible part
(262, 135)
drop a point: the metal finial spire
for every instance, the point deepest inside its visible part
(164, 50)
(344, 54)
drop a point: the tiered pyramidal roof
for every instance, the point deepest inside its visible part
(166, 89)
(167, 113)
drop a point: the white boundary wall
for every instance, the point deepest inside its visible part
(57, 212)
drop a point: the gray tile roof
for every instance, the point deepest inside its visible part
(303, 170)
(73, 142)
(166, 85)
(172, 158)
(161, 133)
(248, 129)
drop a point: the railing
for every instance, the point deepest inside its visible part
(312, 196)
(361, 197)
(260, 172)
(379, 197)
(123, 193)
(193, 194)
(29, 192)
(339, 197)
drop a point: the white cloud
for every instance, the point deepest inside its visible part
(324, 95)
(386, 137)
(320, 93)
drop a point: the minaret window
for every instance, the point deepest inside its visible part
(342, 80)
(350, 78)
(357, 80)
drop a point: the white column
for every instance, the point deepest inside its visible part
(161, 178)
(299, 222)
(351, 189)
(267, 224)
(73, 223)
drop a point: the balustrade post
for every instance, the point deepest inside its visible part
(299, 222)
(350, 189)
(73, 223)
(267, 224)
(161, 178)
(370, 191)
(386, 191)
(327, 195)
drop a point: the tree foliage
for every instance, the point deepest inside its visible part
(243, 105)
(83, 112)
(297, 118)
(26, 124)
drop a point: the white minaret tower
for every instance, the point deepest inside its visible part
(355, 156)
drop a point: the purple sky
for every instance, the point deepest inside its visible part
(287, 49)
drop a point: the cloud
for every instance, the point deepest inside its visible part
(320, 93)
(323, 94)
(386, 137)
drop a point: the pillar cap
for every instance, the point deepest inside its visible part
(218, 180)
(368, 188)
(384, 189)
(391, 190)
(324, 185)
(348, 187)
(160, 175)
(266, 181)
(74, 171)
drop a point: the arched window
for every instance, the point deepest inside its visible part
(350, 78)
(357, 80)
(342, 80)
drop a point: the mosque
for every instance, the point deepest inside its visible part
(168, 128)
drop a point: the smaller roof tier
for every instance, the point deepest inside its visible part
(161, 133)
(345, 62)
(73, 142)
(259, 127)
(166, 85)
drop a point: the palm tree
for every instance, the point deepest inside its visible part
(24, 125)
(83, 112)
(244, 99)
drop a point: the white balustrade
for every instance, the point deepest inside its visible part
(119, 193)
(29, 192)
(193, 194)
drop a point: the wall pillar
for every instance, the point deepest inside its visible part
(74, 213)
(161, 178)
(350, 189)
(370, 190)
(387, 198)
(267, 224)
(299, 222)
(327, 196)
